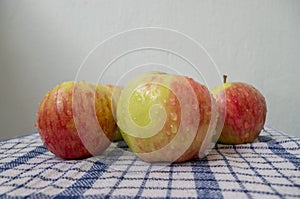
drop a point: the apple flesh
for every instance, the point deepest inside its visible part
(75, 120)
(166, 118)
(244, 108)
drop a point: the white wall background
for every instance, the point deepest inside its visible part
(43, 43)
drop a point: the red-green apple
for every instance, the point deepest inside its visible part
(75, 120)
(166, 118)
(244, 108)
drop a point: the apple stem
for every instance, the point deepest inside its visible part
(224, 78)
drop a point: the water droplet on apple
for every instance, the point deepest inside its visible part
(173, 128)
(168, 133)
(173, 116)
(165, 101)
(172, 101)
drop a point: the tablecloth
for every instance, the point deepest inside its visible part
(267, 168)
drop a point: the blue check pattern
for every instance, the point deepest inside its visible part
(267, 168)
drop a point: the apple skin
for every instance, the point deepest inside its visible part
(185, 106)
(118, 136)
(75, 120)
(244, 108)
(115, 92)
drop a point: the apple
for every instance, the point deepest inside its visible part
(166, 118)
(118, 136)
(244, 108)
(115, 92)
(75, 120)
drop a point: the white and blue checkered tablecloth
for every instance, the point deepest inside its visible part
(267, 168)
